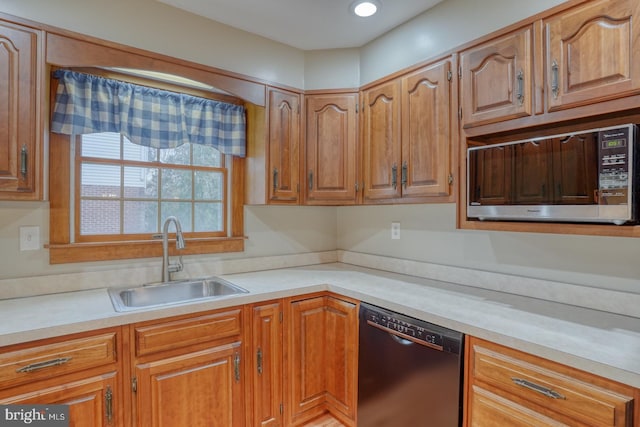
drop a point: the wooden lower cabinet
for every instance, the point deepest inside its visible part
(321, 355)
(265, 362)
(91, 400)
(83, 371)
(188, 371)
(509, 387)
(198, 389)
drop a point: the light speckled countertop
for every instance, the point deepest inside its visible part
(603, 343)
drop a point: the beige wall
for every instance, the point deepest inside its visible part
(273, 230)
(428, 233)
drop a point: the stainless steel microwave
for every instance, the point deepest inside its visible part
(586, 176)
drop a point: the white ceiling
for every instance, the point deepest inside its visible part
(307, 24)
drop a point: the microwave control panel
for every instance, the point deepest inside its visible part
(614, 154)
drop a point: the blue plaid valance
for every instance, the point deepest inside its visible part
(147, 116)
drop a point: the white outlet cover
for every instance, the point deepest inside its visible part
(395, 230)
(29, 238)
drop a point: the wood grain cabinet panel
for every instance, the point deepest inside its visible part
(331, 148)
(321, 359)
(284, 146)
(409, 139)
(428, 131)
(91, 401)
(267, 365)
(497, 78)
(21, 69)
(83, 371)
(272, 165)
(504, 384)
(381, 142)
(592, 54)
(196, 389)
(197, 381)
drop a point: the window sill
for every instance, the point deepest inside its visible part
(106, 251)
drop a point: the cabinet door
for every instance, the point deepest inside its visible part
(574, 169)
(331, 149)
(92, 401)
(19, 117)
(592, 53)
(306, 359)
(381, 142)
(322, 359)
(284, 146)
(427, 131)
(497, 79)
(532, 173)
(267, 365)
(342, 355)
(197, 389)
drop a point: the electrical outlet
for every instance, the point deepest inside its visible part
(30, 238)
(395, 230)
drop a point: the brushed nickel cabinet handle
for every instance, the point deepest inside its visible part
(259, 361)
(42, 365)
(555, 85)
(24, 156)
(403, 177)
(520, 93)
(394, 176)
(310, 180)
(275, 179)
(538, 388)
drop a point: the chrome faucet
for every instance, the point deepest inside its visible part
(167, 267)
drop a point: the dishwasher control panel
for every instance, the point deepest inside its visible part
(413, 328)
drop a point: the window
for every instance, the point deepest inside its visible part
(109, 197)
(124, 188)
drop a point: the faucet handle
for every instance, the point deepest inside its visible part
(179, 266)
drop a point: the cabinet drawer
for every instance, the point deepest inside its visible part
(550, 389)
(181, 333)
(51, 360)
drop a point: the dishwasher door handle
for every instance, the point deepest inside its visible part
(401, 340)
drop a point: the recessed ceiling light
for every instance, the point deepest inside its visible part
(365, 9)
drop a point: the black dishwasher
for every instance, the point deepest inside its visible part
(409, 371)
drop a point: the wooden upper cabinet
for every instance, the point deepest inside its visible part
(592, 53)
(331, 156)
(427, 131)
(284, 146)
(20, 127)
(381, 142)
(497, 79)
